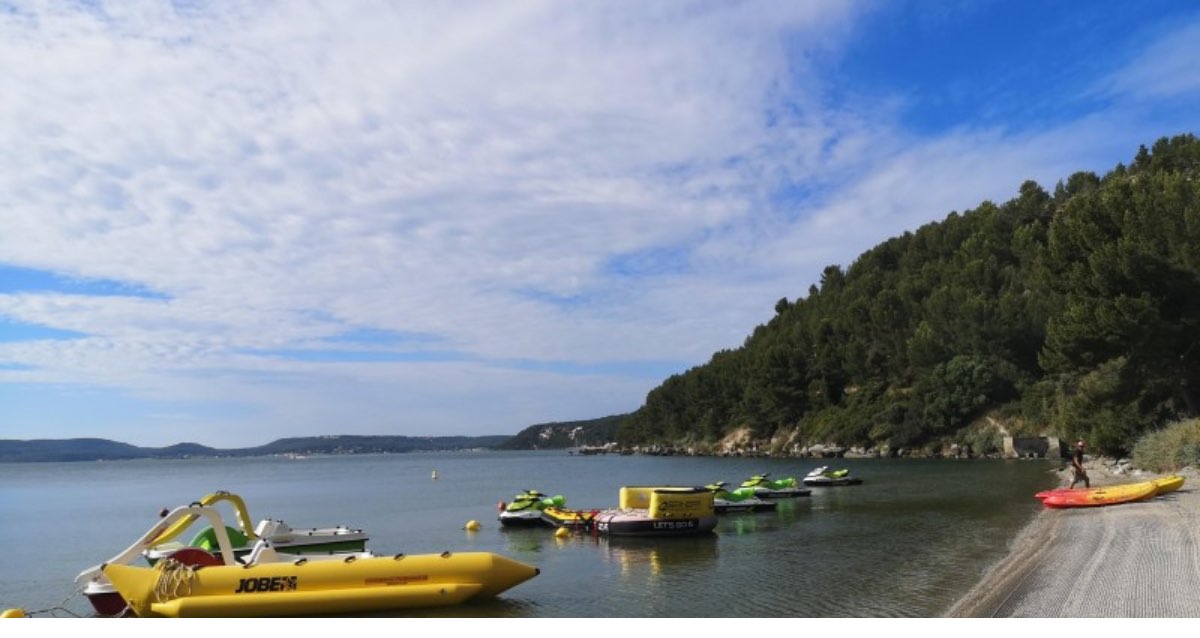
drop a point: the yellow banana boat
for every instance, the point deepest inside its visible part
(302, 586)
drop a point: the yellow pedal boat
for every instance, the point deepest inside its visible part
(215, 544)
(290, 585)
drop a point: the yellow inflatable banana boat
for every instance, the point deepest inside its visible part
(302, 586)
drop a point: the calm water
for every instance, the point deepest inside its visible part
(908, 542)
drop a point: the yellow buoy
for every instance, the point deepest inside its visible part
(15, 612)
(472, 526)
(562, 532)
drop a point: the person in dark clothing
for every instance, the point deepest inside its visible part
(1077, 466)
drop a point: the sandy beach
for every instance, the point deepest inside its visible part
(1137, 560)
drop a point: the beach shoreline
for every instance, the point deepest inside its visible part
(1136, 560)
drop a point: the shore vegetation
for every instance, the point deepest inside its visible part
(1170, 448)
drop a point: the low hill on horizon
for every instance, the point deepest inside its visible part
(96, 449)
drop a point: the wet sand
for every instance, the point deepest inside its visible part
(1136, 560)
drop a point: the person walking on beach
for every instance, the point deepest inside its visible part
(1077, 466)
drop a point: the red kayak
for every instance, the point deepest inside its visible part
(1163, 485)
(1101, 495)
(1041, 496)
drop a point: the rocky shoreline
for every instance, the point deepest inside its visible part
(815, 451)
(789, 444)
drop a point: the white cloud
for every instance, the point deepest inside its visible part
(284, 173)
(1165, 68)
(468, 172)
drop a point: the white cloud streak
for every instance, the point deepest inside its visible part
(1165, 68)
(538, 181)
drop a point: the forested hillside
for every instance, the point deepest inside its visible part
(1075, 313)
(565, 434)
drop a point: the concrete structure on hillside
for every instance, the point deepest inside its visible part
(1033, 447)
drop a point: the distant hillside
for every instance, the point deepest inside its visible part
(13, 451)
(566, 434)
(68, 450)
(373, 444)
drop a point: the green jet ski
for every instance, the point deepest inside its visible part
(765, 487)
(825, 477)
(525, 510)
(742, 499)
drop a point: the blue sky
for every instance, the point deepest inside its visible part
(228, 223)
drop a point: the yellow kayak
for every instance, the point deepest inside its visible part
(302, 586)
(1168, 484)
(1161, 486)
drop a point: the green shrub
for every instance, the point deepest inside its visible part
(982, 436)
(1173, 447)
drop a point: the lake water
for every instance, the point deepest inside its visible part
(907, 543)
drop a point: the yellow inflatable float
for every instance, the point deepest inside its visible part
(659, 511)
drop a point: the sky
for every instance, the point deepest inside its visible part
(230, 222)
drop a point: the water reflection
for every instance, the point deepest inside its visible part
(489, 608)
(637, 556)
(788, 512)
(519, 540)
